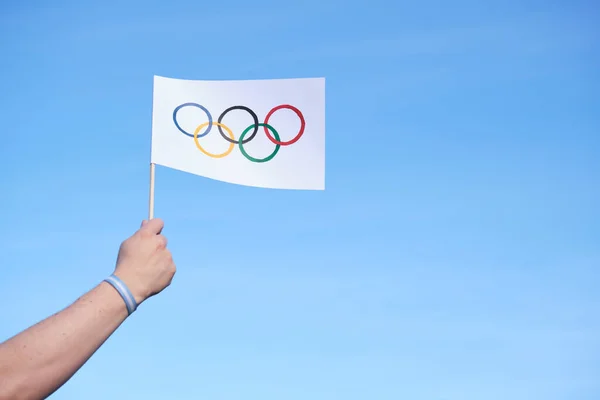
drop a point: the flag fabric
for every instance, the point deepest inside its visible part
(263, 133)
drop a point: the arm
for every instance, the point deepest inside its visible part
(39, 360)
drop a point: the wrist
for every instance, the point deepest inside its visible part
(139, 294)
(112, 301)
(121, 287)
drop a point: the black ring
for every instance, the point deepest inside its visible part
(239, 108)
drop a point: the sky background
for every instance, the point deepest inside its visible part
(454, 255)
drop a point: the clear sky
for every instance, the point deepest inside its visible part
(454, 255)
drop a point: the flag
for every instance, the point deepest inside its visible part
(263, 133)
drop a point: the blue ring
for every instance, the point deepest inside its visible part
(210, 120)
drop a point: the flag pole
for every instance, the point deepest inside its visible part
(151, 202)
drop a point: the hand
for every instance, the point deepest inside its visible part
(144, 262)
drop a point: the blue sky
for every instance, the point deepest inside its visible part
(455, 254)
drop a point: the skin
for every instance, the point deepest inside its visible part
(38, 361)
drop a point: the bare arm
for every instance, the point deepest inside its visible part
(39, 360)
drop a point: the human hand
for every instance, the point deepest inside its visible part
(144, 262)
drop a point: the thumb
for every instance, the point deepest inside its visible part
(152, 227)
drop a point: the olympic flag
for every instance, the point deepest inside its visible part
(262, 133)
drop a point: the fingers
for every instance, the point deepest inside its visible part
(168, 257)
(152, 227)
(161, 241)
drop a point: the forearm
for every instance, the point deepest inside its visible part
(39, 360)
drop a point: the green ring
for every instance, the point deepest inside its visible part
(248, 156)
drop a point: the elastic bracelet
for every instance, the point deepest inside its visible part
(124, 291)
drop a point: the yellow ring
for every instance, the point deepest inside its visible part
(231, 145)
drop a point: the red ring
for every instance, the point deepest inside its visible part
(302, 125)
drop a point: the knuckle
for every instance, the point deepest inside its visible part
(170, 265)
(161, 242)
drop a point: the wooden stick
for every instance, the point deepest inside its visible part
(151, 211)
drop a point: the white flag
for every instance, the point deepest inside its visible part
(264, 133)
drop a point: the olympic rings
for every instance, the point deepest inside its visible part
(302, 125)
(271, 133)
(192, 105)
(252, 113)
(231, 145)
(259, 160)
